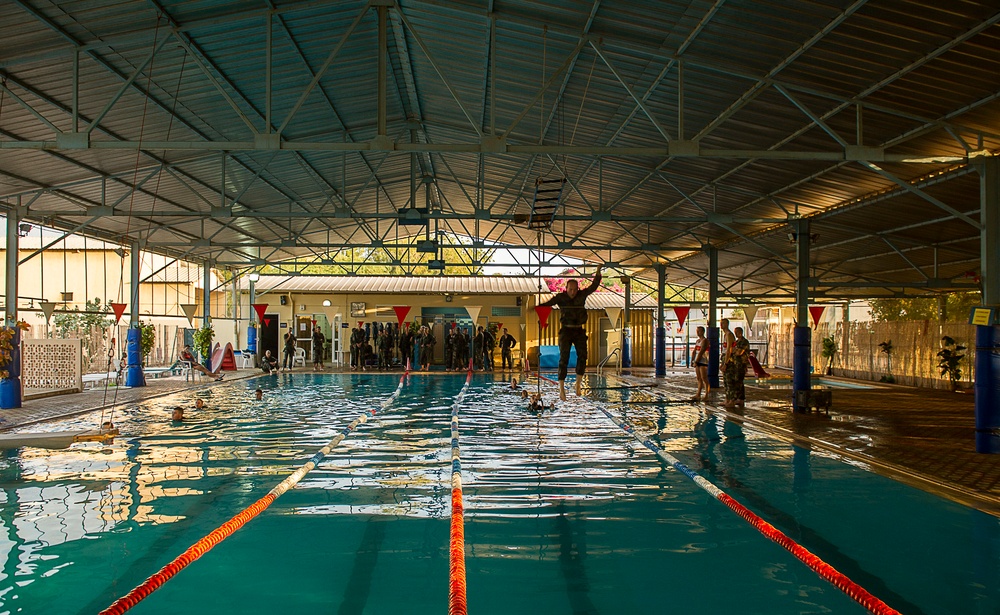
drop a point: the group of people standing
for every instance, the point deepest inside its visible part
(734, 360)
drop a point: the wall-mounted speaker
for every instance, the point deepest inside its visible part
(284, 299)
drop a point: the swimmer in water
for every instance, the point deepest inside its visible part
(177, 414)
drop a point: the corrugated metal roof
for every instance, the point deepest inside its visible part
(799, 83)
(416, 285)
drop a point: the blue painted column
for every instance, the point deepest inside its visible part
(660, 356)
(988, 336)
(10, 387)
(713, 309)
(133, 339)
(627, 324)
(802, 337)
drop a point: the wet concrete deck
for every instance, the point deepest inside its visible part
(922, 437)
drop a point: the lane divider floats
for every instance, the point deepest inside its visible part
(824, 570)
(456, 552)
(222, 532)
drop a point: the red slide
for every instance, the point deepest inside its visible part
(758, 371)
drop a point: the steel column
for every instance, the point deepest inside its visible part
(660, 356)
(206, 299)
(10, 387)
(988, 336)
(133, 339)
(713, 329)
(802, 336)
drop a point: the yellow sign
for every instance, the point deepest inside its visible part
(981, 316)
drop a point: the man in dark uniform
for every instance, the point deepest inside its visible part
(461, 343)
(572, 317)
(507, 342)
(449, 349)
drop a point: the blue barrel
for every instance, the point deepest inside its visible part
(801, 359)
(661, 351)
(133, 350)
(627, 348)
(10, 387)
(252, 339)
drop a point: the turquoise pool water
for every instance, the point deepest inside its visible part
(564, 513)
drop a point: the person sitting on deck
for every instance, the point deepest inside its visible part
(195, 365)
(269, 363)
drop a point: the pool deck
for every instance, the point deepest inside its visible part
(922, 437)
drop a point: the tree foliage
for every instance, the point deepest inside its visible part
(923, 308)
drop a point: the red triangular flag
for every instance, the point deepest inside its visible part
(119, 309)
(681, 312)
(401, 312)
(260, 308)
(314, 323)
(266, 321)
(543, 312)
(499, 326)
(360, 322)
(816, 311)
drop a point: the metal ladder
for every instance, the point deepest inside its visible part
(548, 193)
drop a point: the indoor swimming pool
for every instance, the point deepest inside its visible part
(564, 513)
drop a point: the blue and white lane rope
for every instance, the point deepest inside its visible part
(205, 544)
(456, 549)
(824, 570)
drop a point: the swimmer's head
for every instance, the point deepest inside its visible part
(177, 414)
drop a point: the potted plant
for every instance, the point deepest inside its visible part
(949, 358)
(10, 387)
(829, 349)
(147, 339)
(203, 343)
(886, 348)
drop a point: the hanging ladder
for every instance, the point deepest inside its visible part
(548, 193)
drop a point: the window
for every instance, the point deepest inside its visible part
(505, 310)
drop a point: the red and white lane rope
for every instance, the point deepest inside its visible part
(824, 570)
(222, 532)
(456, 548)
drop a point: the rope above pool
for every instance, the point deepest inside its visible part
(824, 570)
(204, 545)
(456, 551)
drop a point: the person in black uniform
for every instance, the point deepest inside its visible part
(289, 351)
(572, 317)
(507, 342)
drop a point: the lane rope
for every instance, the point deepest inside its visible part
(824, 570)
(222, 532)
(456, 552)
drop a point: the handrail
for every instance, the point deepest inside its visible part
(604, 362)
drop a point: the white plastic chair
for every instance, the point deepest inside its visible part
(299, 358)
(247, 359)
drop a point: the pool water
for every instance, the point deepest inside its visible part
(564, 512)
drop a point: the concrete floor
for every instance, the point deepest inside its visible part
(922, 437)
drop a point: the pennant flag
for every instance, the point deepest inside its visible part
(119, 309)
(543, 312)
(499, 326)
(749, 313)
(473, 311)
(47, 308)
(266, 321)
(314, 323)
(613, 314)
(260, 308)
(816, 311)
(361, 323)
(523, 325)
(401, 312)
(189, 309)
(681, 312)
